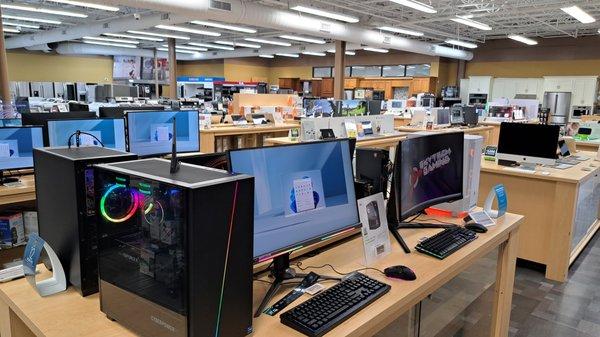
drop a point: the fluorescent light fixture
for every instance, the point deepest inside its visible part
(401, 31)
(416, 5)
(107, 39)
(578, 14)
(523, 39)
(376, 50)
(273, 42)
(288, 55)
(44, 10)
(182, 37)
(187, 48)
(122, 45)
(224, 26)
(188, 30)
(11, 30)
(326, 14)
(313, 53)
(127, 36)
(177, 50)
(24, 18)
(471, 23)
(302, 39)
(461, 43)
(208, 45)
(87, 4)
(265, 56)
(238, 44)
(348, 52)
(14, 24)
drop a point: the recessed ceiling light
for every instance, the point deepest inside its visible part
(44, 10)
(302, 39)
(326, 14)
(182, 37)
(472, 23)
(238, 44)
(578, 14)
(107, 39)
(273, 42)
(224, 26)
(313, 53)
(181, 51)
(11, 30)
(127, 36)
(24, 18)
(523, 39)
(416, 5)
(14, 24)
(122, 45)
(265, 56)
(288, 55)
(376, 50)
(401, 31)
(188, 30)
(87, 4)
(208, 45)
(461, 43)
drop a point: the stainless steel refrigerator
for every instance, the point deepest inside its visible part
(559, 104)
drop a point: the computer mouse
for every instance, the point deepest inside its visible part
(400, 272)
(476, 227)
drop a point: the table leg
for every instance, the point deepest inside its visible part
(11, 325)
(5, 330)
(505, 280)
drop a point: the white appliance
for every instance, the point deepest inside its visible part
(418, 116)
(396, 106)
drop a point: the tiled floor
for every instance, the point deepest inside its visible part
(543, 308)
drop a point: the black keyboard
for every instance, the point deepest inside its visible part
(330, 308)
(446, 242)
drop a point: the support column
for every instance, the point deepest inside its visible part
(172, 69)
(156, 86)
(4, 86)
(339, 69)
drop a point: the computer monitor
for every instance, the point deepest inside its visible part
(119, 111)
(150, 133)
(528, 144)
(42, 118)
(11, 122)
(16, 146)
(76, 106)
(219, 160)
(109, 131)
(304, 193)
(321, 108)
(354, 108)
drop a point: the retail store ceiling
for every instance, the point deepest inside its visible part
(535, 19)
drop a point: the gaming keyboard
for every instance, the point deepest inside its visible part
(446, 242)
(330, 308)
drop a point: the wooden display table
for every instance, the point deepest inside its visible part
(401, 121)
(24, 313)
(590, 145)
(18, 194)
(386, 141)
(221, 138)
(561, 210)
(482, 130)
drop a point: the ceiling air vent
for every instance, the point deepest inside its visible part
(220, 5)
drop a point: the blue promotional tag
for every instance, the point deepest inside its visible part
(502, 199)
(32, 253)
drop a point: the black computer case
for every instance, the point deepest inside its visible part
(175, 250)
(64, 187)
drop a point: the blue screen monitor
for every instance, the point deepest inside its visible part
(150, 133)
(17, 144)
(304, 193)
(111, 132)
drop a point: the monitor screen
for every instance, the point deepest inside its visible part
(16, 146)
(528, 140)
(111, 132)
(151, 132)
(397, 104)
(320, 107)
(428, 171)
(303, 193)
(42, 118)
(354, 108)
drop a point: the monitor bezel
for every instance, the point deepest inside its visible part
(87, 119)
(23, 127)
(308, 242)
(128, 142)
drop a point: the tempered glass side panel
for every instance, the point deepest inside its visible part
(141, 245)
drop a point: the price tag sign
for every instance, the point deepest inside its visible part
(32, 253)
(502, 200)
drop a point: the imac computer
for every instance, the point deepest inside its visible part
(106, 132)
(16, 148)
(428, 170)
(42, 118)
(150, 133)
(527, 144)
(304, 193)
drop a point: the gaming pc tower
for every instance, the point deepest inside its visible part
(175, 249)
(64, 187)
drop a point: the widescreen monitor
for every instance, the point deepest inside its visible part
(17, 144)
(354, 108)
(321, 108)
(42, 118)
(304, 193)
(150, 133)
(109, 131)
(528, 143)
(119, 111)
(428, 170)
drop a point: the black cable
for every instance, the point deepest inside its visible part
(299, 266)
(79, 133)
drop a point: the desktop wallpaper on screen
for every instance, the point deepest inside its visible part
(16, 146)
(435, 169)
(301, 192)
(151, 133)
(354, 108)
(320, 107)
(111, 132)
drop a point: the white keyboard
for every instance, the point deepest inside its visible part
(11, 273)
(520, 170)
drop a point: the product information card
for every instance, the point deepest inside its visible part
(376, 239)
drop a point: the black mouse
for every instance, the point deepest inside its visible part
(476, 227)
(401, 272)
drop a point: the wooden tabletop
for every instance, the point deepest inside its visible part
(22, 193)
(364, 141)
(69, 315)
(248, 129)
(575, 174)
(476, 129)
